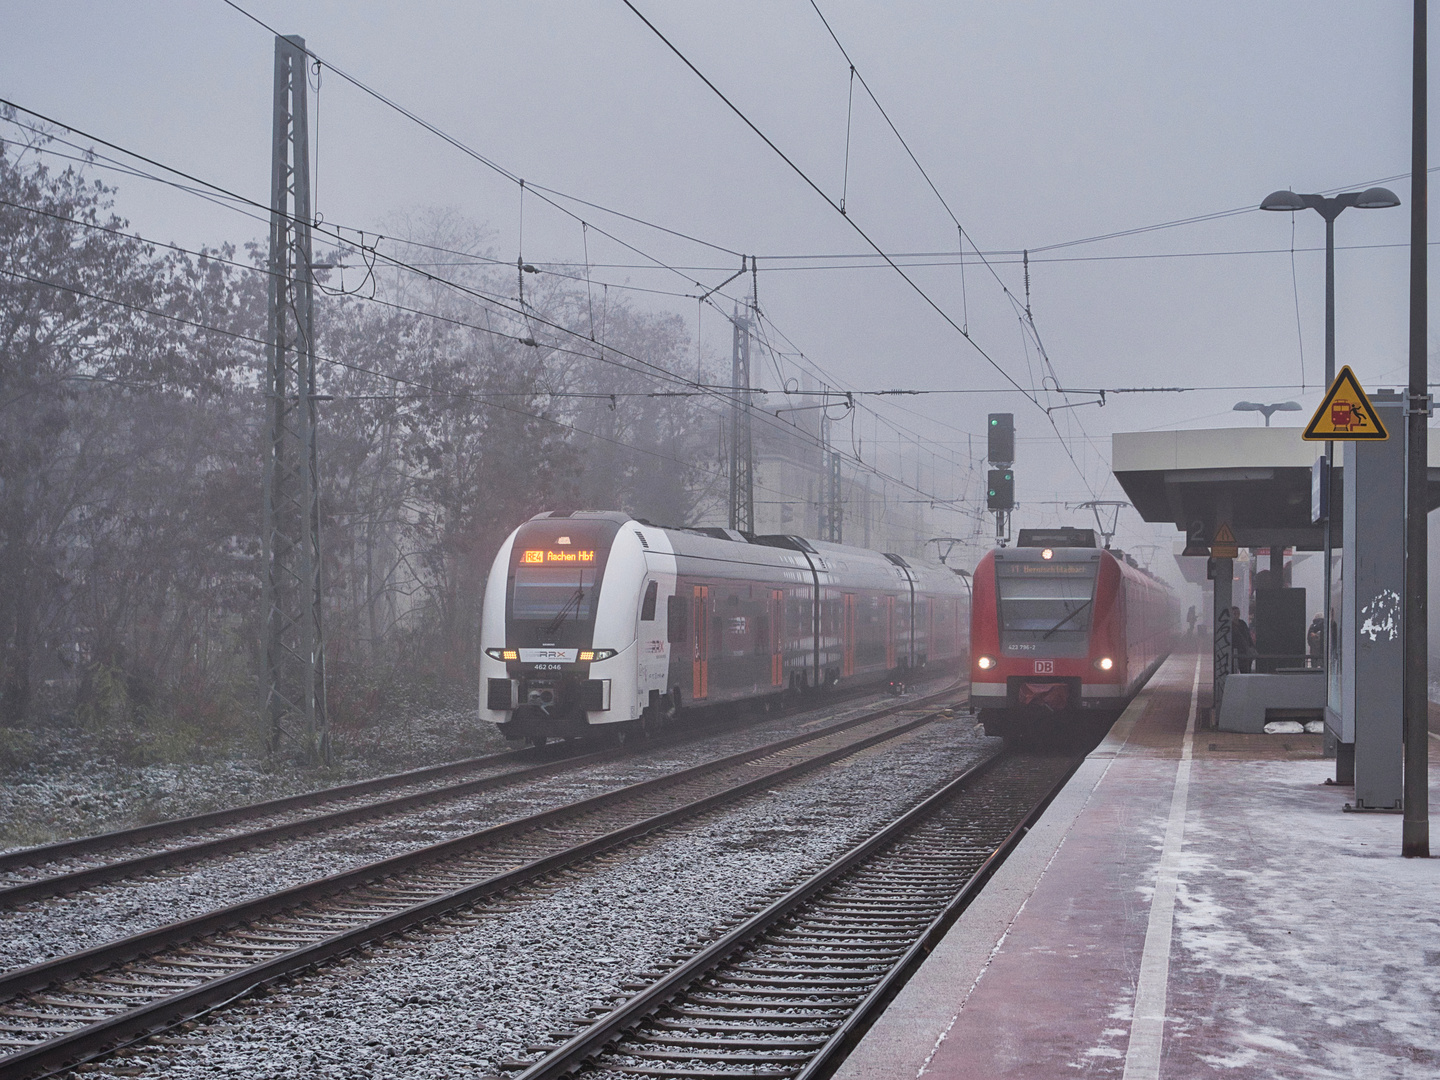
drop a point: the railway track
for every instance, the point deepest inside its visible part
(17, 892)
(70, 866)
(64, 1011)
(193, 825)
(787, 993)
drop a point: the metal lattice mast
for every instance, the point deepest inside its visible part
(294, 643)
(832, 516)
(742, 462)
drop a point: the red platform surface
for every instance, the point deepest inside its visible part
(1191, 905)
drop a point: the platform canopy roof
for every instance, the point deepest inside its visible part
(1256, 478)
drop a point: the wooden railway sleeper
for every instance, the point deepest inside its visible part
(95, 1010)
(816, 971)
(785, 1042)
(816, 983)
(142, 984)
(712, 1059)
(272, 937)
(750, 1016)
(707, 997)
(702, 1074)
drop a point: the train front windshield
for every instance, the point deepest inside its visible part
(557, 569)
(1045, 602)
(554, 595)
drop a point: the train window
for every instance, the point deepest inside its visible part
(677, 611)
(647, 606)
(554, 594)
(1047, 607)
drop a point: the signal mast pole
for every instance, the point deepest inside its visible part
(1000, 488)
(294, 641)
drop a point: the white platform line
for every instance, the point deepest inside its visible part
(1147, 1028)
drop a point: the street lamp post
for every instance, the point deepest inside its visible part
(1255, 406)
(1330, 207)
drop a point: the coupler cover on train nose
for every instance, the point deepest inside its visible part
(1049, 695)
(553, 706)
(502, 695)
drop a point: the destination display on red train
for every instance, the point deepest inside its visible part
(1051, 569)
(552, 558)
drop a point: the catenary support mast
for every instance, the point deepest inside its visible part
(832, 517)
(1415, 839)
(742, 462)
(294, 642)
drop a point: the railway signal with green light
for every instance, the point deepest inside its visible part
(1001, 489)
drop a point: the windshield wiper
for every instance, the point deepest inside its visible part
(564, 612)
(1066, 619)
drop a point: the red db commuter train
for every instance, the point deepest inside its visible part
(595, 621)
(1061, 630)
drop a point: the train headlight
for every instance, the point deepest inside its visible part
(1105, 663)
(985, 663)
(589, 655)
(1047, 554)
(502, 654)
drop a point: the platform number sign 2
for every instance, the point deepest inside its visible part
(1044, 667)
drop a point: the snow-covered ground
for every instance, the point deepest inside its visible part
(458, 1000)
(1316, 953)
(69, 791)
(65, 924)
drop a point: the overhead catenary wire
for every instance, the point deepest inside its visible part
(700, 386)
(699, 389)
(479, 398)
(962, 244)
(334, 233)
(336, 230)
(474, 154)
(960, 233)
(963, 330)
(821, 192)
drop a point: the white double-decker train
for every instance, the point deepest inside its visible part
(596, 620)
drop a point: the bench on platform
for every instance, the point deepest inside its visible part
(1252, 700)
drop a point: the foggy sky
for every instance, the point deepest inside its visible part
(1040, 123)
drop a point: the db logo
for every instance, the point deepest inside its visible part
(1044, 667)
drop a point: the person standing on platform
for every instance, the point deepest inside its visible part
(1242, 643)
(1191, 618)
(1315, 640)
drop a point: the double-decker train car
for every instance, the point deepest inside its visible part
(1060, 630)
(594, 619)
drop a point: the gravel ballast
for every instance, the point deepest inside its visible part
(458, 999)
(49, 928)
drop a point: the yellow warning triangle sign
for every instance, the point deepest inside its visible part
(1222, 544)
(1345, 414)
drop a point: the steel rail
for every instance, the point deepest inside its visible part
(73, 881)
(858, 1022)
(152, 1017)
(87, 845)
(581, 1050)
(70, 881)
